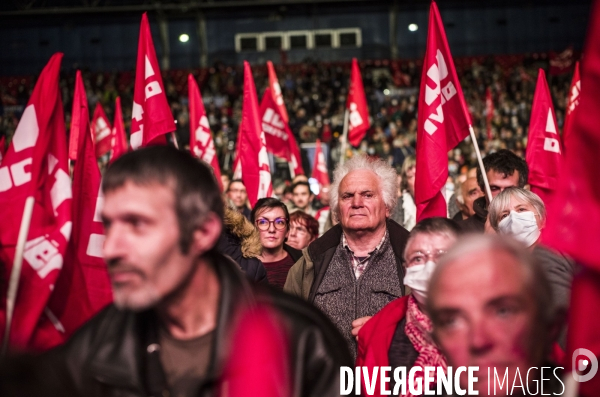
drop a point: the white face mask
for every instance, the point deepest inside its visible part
(417, 278)
(522, 226)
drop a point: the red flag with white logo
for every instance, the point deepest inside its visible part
(276, 92)
(443, 120)
(75, 116)
(252, 149)
(102, 131)
(319, 171)
(573, 226)
(36, 166)
(151, 116)
(572, 106)
(83, 286)
(358, 121)
(489, 112)
(278, 136)
(201, 141)
(118, 140)
(544, 152)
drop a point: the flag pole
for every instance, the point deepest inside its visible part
(174, 140)
(344, 143)
(15, 274)
(481, 167)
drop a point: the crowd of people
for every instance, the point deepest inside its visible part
(211, 293)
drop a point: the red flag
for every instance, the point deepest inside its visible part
(252, 150)
(201, 141)
(118, 140)
(36, 166)
(319, 171)
(489, 112)
(572, 105)
(544, 152)
(278, 136)
(443, 120)
(561, 63)
(358, 121)
(151, 116)
(574, 225)
(102, 131)
(276, 92)
(83, 286)
(75, 115)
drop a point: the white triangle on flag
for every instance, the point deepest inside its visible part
(550, 127)
(149, 71)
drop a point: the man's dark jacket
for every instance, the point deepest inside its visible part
(115, 353)
(476, 223)
(307, 274)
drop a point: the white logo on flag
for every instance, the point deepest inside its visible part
(355, 117)
(551, 144)
(437, 73)
(272, 124)
(574, 97)
(43, 256)
(202, 136)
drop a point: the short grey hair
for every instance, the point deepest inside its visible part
(385, 173)
(532, 268)
(502, 203)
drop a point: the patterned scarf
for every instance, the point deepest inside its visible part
(418, 329)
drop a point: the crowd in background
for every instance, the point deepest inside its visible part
(315, 95)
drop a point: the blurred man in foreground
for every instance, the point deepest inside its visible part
(174, 325)
(491, 307)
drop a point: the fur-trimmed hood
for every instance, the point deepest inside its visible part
(240, 227)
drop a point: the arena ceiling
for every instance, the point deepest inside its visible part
(57, 7)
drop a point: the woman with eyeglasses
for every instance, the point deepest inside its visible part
(399, 335)
(271, 218)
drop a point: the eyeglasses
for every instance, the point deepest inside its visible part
(420, 258)
(264, 224)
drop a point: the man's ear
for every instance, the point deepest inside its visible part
(206, 236)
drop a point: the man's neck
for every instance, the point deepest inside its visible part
(364, 241)
(273, 255)
(192, 312)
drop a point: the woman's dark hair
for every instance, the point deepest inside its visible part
(311, 224)
(506, 163)
(268, 203)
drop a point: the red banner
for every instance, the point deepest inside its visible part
(356, 105)
(118, 140)
(544, 151)
(201, 141)
(151, 116)
(561, 63)
(83, 286)
(102, 131)
(252, 150)
(319, 171)
(36, 166)
(277, 94)
(443, 120)
(572, 106)
(74, 131)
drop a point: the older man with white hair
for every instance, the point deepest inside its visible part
(355, 269)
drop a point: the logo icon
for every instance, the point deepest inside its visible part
(581, 365)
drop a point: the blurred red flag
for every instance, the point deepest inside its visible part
(118, 140)
(102, 131)
(74, 131)
(83, 286)
(544, 152)
(278, 136)
(252, 149)
(358, 121)
(276, 92)
(36, 166)
(561, 63)
(319, 171)
(489, 112)
(572, 106)
(151, 116)
(574, 225)
(201, 141)
(443, 120)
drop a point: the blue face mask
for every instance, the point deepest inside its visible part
(522, 226)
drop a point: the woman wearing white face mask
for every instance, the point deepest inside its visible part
(521, 214)
(400, 334)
